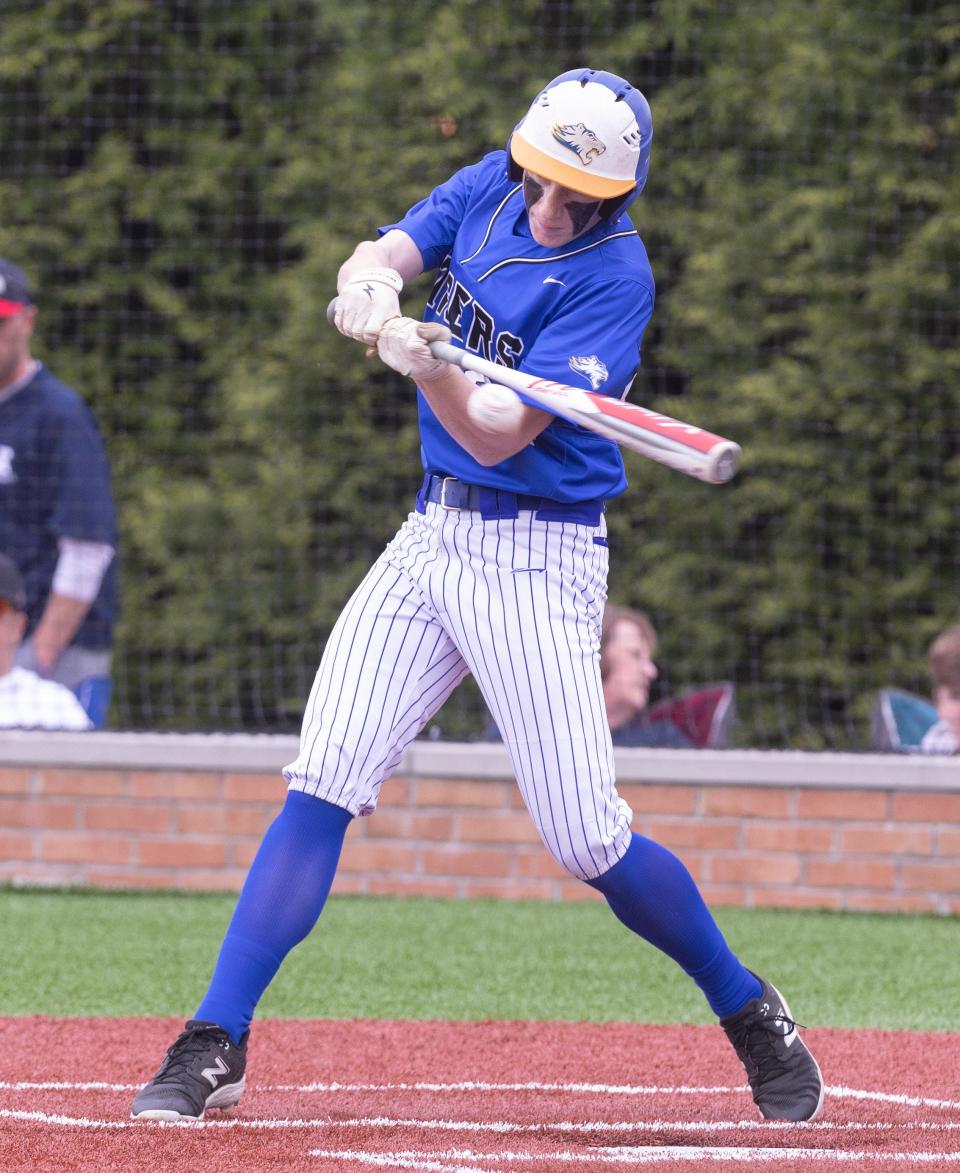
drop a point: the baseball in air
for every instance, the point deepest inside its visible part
(494, 408)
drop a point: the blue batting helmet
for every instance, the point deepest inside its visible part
(588, 130)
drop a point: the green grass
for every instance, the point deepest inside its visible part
(81, 952)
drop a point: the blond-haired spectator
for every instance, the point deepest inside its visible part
(943, 664)
(907, 723)
(698, 718)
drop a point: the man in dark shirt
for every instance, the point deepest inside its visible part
(57, 516)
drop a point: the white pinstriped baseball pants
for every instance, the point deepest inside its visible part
(516, 602)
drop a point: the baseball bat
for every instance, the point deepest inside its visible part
(681, 446)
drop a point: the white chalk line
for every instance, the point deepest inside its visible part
(837, 1092)
(496, 1127)
(451, 1161)
(418, 1161)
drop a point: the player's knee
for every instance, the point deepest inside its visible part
(592, 854)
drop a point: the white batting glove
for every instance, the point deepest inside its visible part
(403, 345)
(366, 302)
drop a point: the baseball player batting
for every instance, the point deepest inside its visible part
(499, 570)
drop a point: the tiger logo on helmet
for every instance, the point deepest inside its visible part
(577, 137)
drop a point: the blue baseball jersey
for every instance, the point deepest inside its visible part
(574, 314)
(54, 483)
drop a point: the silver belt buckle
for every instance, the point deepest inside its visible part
(443, 495)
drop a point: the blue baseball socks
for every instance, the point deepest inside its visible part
(653, 894)
(282, 898)
(649, 890)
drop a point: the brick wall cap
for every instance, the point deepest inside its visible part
(263, 753)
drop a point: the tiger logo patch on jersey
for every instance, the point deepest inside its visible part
(576, 137)
(593, 369)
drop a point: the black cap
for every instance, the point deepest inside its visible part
(14, 289)
(11, 584)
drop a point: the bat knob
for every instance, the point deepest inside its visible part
(725, 463)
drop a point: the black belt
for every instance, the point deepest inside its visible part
(450, 493)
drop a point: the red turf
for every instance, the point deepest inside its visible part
(663, 1098)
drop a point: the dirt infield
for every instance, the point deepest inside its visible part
(489, 1097)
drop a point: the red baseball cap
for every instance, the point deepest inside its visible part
(14, 289)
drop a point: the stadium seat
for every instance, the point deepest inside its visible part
(704, 715)
(899, 720)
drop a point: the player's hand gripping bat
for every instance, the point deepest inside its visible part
(671, 442)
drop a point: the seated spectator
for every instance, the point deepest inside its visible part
(943, 664)
(698, 718)
(26, 700)
(905, 723)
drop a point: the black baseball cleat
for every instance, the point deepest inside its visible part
(784, 1076)
(203, 1069)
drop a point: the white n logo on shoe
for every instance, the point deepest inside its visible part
(212, 1074)
(789, 1029)
(784, 1022)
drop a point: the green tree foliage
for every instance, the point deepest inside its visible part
(184, 180)
(809, 211)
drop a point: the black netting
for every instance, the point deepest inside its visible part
(182, 182)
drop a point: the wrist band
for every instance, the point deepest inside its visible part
(383, 276)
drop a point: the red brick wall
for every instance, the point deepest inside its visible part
(784, 843)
